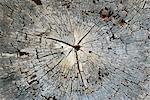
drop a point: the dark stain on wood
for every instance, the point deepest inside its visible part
(105, 13)
(122, 22)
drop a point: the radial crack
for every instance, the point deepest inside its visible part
(60, 41)
(86, 34)
(80, 71)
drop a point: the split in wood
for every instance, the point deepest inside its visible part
(38, 2)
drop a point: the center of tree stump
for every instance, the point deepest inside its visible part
(77, 47)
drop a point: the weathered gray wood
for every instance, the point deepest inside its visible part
(74, 50)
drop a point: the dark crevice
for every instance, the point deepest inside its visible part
(77, 47)
(20, 53)
(60, 41)
(113, 37)
(90, 51)
(94, 1)
(37, 56)
(78, 66)
(33, 81)
(67, 4)
(32, 77)
(38, 2)
(109, 48)
(149, 37)
(86, 34)
(122, 22)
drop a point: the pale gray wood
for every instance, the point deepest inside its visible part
(75, 50)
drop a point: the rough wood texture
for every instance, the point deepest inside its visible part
(75, 50)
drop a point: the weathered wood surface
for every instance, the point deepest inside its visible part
(74, 50)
